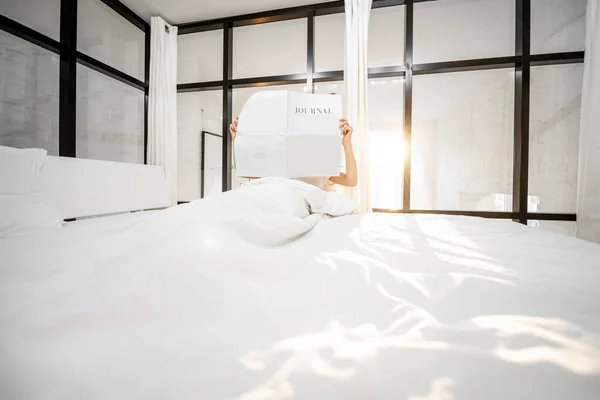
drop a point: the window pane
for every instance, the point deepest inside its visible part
(329, 42)
(557, 25)
(240, 96)
(40, 15)
(386, 37)
(449, 30)
(110, 118)
(386, 122)
(568, 228)
(29, 79)
(200, 57)
(110, 38)
(213, 166)
(196, 112)
(554, 137)
(462, 141)
(276, 48)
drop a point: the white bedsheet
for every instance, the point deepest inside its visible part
(177, 305)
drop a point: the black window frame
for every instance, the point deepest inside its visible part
(69, 56)
(521, 62)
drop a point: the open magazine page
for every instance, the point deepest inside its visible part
(289, 135)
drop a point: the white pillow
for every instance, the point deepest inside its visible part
(21, 205)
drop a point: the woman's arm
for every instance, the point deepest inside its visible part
(350, 178)
(233, 131)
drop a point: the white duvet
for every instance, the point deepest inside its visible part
(202, 301)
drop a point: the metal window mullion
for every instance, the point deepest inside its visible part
(408, 87)
(67, 122)
(227, 103)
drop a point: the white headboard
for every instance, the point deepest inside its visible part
(82, 188)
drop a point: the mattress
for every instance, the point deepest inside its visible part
(175, 305)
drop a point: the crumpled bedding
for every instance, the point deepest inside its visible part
(274, 211)
(177, 305)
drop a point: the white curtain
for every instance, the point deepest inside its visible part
(588, 196)
(162, 101)
(356, 79)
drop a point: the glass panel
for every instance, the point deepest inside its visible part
(240, 96)
(276, 48)
(110, 118)
(568, 228)
(29, 80)
(386, 127)
(462, 141)
(213, 167)
(449, 30)
(110, 38)
(557, 25)
(200, 57)
(329, 42)
(196, 112)
(554, 137)
(336, 87)
(386, 37)
(40, 15)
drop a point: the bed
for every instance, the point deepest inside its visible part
(199, 302)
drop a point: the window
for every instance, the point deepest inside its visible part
(110, 118)
(449, 30)
(386, 128)
(40, 15)
(276, 48)
(198, 112)
(213, 164)
(29, 79)
(386, 37)
(462, 140)
(105, 35)
(329, 42)
(554, 136)
(557, 25)
(200, 57)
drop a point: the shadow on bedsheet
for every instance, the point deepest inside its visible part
(429, 309)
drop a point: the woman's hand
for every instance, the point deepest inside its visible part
(346, 131)
(233, 128)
